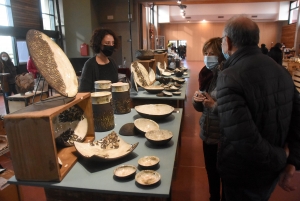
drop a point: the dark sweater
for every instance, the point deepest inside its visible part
(92, 71)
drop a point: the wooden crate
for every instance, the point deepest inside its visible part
(32, 144)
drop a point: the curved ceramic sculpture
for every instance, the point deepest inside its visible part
(110, 147)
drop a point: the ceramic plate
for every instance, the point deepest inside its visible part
(124, 171)
(110, 147)
(147, 177)
(52, 63)
(140, 74)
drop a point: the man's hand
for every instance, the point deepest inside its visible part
(286, 178)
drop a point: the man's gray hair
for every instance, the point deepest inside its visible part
(242, 31)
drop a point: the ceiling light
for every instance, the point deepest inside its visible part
(179, 1)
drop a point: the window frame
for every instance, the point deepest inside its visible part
(292, 9)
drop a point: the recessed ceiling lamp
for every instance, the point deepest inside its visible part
(179, 1)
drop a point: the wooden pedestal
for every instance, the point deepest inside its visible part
(162, 58)
(148, 64)
(31, 139)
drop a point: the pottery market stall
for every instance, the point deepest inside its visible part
(95, 180)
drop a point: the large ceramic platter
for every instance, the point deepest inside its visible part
(140, 74)
(110, 147)
(52, 63)
(154, 111)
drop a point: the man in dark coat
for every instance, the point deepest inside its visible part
(259, 110)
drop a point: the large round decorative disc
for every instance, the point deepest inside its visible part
(52, 63)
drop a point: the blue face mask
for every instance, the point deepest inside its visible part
(226, 55)
(211, 62)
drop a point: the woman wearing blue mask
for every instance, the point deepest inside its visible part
(7, 66)
(101, 66)
(205, 101)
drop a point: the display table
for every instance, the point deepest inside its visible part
(91, 180)
(143, 97)
(18, 101)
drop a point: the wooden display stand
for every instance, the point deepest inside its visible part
(148, 64)
(31, 139)
(18, 101)
(162, 58)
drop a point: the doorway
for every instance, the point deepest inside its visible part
(178, 47)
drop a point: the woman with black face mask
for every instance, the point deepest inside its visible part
(101, 66)
(7, 66)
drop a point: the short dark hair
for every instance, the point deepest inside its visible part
(98, 36)
(215, 45)
(242, 31)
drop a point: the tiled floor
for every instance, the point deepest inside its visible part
(190, 180)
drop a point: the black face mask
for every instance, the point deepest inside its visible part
(108, 50)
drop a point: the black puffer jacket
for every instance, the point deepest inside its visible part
(209, 121)
(256, 97)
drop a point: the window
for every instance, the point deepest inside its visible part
(6, 42)
(293, 15)
(5, 13)
(48, 14)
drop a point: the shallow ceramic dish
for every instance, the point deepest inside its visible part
(144, 125)
(147, 177)
(141, 75)
(176, 93)
(154, 89)
(168, 94)
(110, 147)
(52, 63)
(180, 81)
(148, 161)
(154, 111)
(125, 171)
(171, 89)
(166, 73)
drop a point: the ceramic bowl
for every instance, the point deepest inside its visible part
(154, 111)
(166, 73)
(176, 93)
(143, 125)
(180, 81)
(125, 171)
(159, 137)
(178, 73)
(164, 80)
(171, 89)
(148, 162)
(147, 177)
(154, 89)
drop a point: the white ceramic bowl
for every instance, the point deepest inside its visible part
(154, 111)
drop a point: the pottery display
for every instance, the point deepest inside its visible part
(111, 147)
(52, 63)
(102, 85)
(121, 98)
(154, 111)
(102, 111)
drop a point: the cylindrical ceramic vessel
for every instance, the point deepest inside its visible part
(103, 111)
(121, 98)
(102, 85)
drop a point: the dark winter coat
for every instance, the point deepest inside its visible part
(256, 98)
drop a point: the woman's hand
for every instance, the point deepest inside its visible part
(285, 181)
(199, 97)
(209, 102)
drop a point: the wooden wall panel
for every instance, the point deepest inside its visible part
(26, 14)
(197, 33)
(288, 35)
